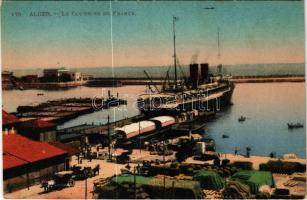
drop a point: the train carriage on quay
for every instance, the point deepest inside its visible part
(139, 132)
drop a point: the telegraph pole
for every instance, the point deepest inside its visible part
(109, 138)
(134, 181)
(85, 195)
(164, 190)
(140, 137)
(175, 57)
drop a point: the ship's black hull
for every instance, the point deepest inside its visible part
(212, 105)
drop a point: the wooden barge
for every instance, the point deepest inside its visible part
(60, 111)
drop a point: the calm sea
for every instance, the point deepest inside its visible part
(267, 106)
(160, 71)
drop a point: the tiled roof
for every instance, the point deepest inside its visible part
(19, 150)
(10, 161)
(8, 118)
(69, 149)
(37, 123)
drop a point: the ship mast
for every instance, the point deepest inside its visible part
(175, 59)
(219, 66)
(218, 44)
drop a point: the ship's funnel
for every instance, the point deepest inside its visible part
(204, 71)
(194, 75)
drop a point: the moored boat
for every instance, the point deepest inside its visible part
(296, 125)
(241, 119)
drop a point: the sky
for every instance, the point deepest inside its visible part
(250, 33)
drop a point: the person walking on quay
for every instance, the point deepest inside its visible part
(236, 151)
(138, 167)
(97, 169)
(248, 149)
(78, 157)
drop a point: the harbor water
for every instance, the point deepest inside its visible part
(267, 106)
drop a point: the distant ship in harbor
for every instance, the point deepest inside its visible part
(296, 125)
(198, 92)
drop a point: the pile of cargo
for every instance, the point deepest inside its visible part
(186, 169)
(139, 187)
(236, 190)
(254, 179)
(187, 180)
(282, 167)
(249, 184)
(192, 169)
(212, 194)
(243, 165)
(209, 180)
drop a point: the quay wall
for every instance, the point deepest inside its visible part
(52, 85)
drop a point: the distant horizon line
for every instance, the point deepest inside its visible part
(89, 67)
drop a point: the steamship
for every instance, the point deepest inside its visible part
(200, 91)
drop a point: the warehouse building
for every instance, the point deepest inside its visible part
(9, 121)
(39, 130)
(27, 162)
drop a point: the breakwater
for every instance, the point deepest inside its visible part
(122, 81)
(267, 79)
(52, 85)
(119, 81)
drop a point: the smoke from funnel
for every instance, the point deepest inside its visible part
(194, 58)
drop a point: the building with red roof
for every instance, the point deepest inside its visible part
(26, 161)
(9, 120)
(39, 130)
(35, 129)
(38, 123)
(10, 161)
(72, 151)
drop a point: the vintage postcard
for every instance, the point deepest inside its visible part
(153, 99)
